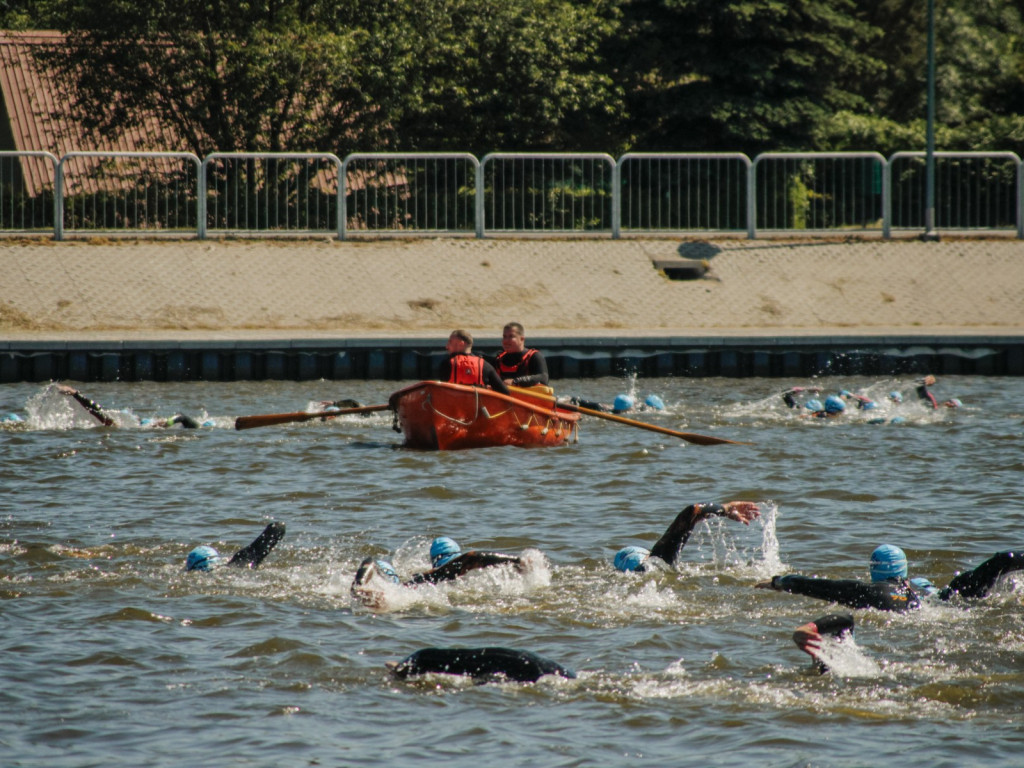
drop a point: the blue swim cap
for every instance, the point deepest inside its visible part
(814, 405)
(202, 559)
(653, 401)
(11, 417)
(209, 423)
(888, 562)
(924, 586)
(896, 397)
(630, 558)
(868, 405)
(897, 420)
(442, 550)
(623, 403)
(844, 393)
(953, 402)
(385, 569)
(146, 423)
(834, 404)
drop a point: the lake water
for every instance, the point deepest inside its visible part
(113, 655)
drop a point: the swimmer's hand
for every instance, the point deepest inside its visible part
(767, 584)
(742, 511)
(808, 639)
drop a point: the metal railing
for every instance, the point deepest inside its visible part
(270, 193)
(813, 193)
(27, 202)
(799, 192)
(695, 192)
(547, 192)
(106, 192)
(974, 191)
(427, 192)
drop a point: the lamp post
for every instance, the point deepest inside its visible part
(929, 177)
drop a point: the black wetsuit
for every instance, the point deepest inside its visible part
(462, 564)
(490, 376)
(671, 543)
(519, 373)
(480, 663)
(899, 594)
(252, 555)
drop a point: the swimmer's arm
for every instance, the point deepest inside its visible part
(91, 406)
(463, 564)
(978, 582)
(848, 592)
(254, 554)
(678, 533)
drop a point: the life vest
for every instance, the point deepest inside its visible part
(521, 368)
(466, 369)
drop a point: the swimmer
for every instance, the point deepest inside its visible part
(666, 549)
(832, 407)
(97, 412)
(891, 590)
(482, 664)
(447, 558)
(623, 404)
(206, 558)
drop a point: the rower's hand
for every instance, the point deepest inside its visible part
(742, 511)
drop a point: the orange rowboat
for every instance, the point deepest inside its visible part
(435, 415)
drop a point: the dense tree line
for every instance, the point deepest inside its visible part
(570, 75)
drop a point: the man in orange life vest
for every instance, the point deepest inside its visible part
(517, 365)
(463, 367)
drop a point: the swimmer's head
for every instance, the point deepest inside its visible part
(953, 402)
(443, 550)
(655, 402)
(630, 558)
(203, 559)
(814, 405)
(623, 403)
(888, 562)
(834, 404)
(896, 397)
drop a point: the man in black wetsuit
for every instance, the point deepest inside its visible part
(517, 365)
(889, 588)
(462, 366)
(447, 558)
(206, 558)
(97, 412)
(666, 549)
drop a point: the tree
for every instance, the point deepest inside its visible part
(305, 75)
(741, 74)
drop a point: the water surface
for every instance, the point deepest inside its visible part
(115, 656)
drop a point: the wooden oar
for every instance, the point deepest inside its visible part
(270, 419)
(689, 437)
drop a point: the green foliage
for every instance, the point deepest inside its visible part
(570, 75)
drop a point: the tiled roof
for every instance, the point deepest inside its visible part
(32, 97)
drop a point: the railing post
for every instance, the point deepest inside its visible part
(617, 200)
(58, 201)
(751, 196)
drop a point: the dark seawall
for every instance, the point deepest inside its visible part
(585, 357)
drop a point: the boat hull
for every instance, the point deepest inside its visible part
(435, 415)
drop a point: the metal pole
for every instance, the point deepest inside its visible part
(929, 207)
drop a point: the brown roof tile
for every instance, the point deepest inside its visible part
(32, 97)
